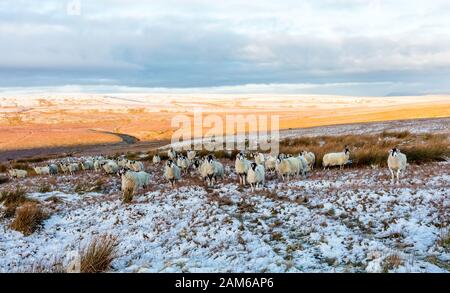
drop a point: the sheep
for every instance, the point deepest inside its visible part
(336, 159)
(98, 163)
(42, 170)
(132, 181)
(287, 166)
(310, 158)
(184, 163)
(17, 173)
(87, 165)
(270, 163)
(64, 168)
(211, 170)
(53, 169)
(122, 162)
(259, 158)
(110, 167)
(135, 166)
(241, 165)
(304, 167)
(171, 172)
(72, 168)
(396, 162)
(172, 154)
(191, 155)
(256, 176)
(156, 159)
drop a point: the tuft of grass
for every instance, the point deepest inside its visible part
(44, 187)
(395, 134)
(444, 240)
(392, 261)
(12, 198)
(97, 186)
(97, 256)
(29, 217)
(3, 168)
(41, 267)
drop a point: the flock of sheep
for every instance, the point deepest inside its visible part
(252, 172)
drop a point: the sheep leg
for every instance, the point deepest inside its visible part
(392, 175)
(398, 176)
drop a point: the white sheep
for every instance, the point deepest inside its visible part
(17, 173)
(132, 181)
(304, 167)
(64, 168)
(241, 165)
(87, 165)
(270, 164)
(122, 162)
(336, 159)
(172, 154)
(256, 176)
(287, 166)
(73, 168)
(310, 158)
(53, 169)
(191, 155)
(171, 172)
(156, 159)
(184, 163)
(42, 170)
(396, 162)
(110, 167)
(259, 158)
(135, 166)
(211, 170)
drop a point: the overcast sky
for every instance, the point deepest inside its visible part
(355, 47)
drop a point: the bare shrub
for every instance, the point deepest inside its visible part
(12, 198)
(29, 217)
(97, 256)
(392, 261)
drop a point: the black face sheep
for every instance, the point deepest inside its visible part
(241, 165)
(171, 172)
(172, 154)
(17, 173)
(256, 176)
(132, 181)
(156, 159)
(336, 159)
(42, 170)
(53, 169)
(310, 158)
(211, 170)
(396, 163)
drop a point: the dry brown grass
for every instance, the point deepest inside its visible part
(368, 150)
(3, 168)
(29, 217)
(12, 198)
(44, 187)
(392, 261)
(41, 267)
(97, 256)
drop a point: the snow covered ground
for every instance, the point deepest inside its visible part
(352, 220)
